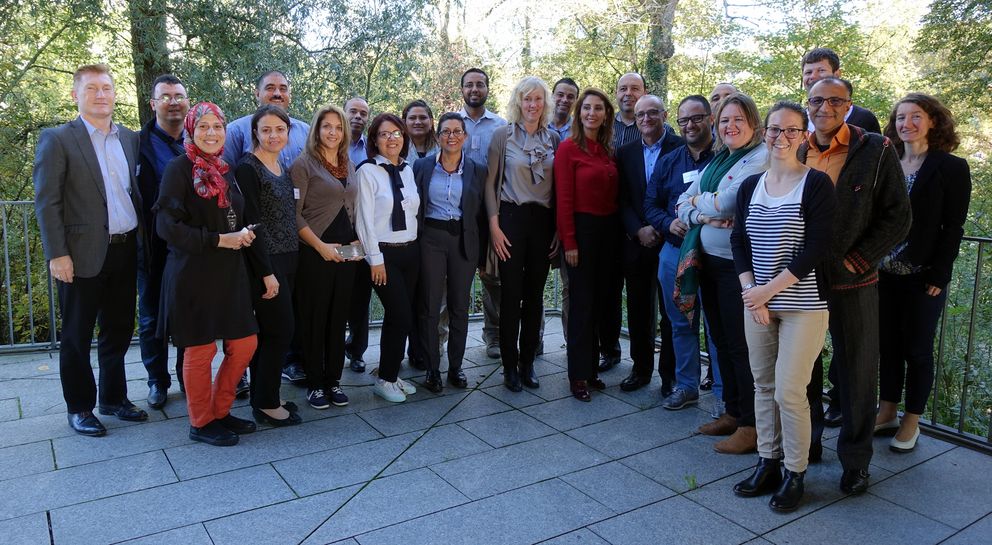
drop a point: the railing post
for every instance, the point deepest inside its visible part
(971, 338)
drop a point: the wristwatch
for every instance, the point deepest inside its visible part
(748, 286)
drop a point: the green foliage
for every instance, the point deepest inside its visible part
(955, 46)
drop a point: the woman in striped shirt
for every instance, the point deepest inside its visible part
(781, 237)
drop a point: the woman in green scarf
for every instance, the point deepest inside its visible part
(706, 263)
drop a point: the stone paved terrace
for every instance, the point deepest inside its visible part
(484, 466)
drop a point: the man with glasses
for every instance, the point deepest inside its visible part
(873, 215)
(819, 63)
(635, 163)
(480, 124)
(673, 174)
(160, 141)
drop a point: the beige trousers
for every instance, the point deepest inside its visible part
(782, 355)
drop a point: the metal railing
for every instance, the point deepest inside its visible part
(960, 408)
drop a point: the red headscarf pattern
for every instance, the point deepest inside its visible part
(208, 169)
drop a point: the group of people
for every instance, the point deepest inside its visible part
(270, 234)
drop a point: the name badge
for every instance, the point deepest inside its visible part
(690, 177)
(296, 193)
(137, 171)
(406, 204)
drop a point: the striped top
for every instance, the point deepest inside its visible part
(777, 230)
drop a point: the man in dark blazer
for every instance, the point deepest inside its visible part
(635, 162)
(449, 248)
(89, 211)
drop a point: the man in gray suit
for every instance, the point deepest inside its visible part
(88, 207)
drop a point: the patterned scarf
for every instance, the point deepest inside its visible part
(208, 169)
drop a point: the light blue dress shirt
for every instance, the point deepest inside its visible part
(444, 194)
(651, 155)
(357, 152)
(563, 131)
(121, 216)
(237, 143)
(480, 133)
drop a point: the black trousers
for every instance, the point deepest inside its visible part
(644, 307)
(530, 230)
(358, 316)
(854, 332)
(323, 302)
(444, 271)
(908, 320)
(723, 305)
(276, 325)
(594, 291)
(154, 349)
(107, 300)
(397, 296)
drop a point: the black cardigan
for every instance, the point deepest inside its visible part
(818, 206)
(940, 199)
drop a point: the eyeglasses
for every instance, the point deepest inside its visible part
(391, 135)
(457, 133)
(836, 102)
(647, 113)
(694, 119)
(790, 132)
(178, 99)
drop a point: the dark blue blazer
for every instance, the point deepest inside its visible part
(473, 216)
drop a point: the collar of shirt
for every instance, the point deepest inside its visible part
(653, 147)
(166, 137)
(360, 143)
(381, 160)
(461, 163)
(840, 141)
(564, 128)
(486, 114)
(619, 119)
(90, 128)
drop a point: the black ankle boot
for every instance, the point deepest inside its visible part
(766, 478)
(511, 379)
(789, 493)
(527, 376)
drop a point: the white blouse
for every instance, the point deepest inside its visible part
(374, 208)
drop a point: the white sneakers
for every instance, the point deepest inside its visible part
(390, 391)
(407, 388)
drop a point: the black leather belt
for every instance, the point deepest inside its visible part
(121, 238)
(395, 244)
(452, 226)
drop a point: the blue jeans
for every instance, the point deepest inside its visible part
(154, 350)
(685, 335)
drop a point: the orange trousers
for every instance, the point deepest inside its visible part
(208, 399)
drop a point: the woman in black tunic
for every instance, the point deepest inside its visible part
(200, 214)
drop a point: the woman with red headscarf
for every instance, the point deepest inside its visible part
(205, 288)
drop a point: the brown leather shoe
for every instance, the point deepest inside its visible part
(580, 390)
(743, 441)
(725, 425)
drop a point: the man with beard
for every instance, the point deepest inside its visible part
(160, 140)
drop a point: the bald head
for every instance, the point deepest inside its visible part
(720, 92)
(357, 110)
(630, 87)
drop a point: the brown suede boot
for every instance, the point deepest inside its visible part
(725, 425)
(743, 441)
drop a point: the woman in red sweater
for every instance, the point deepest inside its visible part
(586, 183)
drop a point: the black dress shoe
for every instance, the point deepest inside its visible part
(262, 418)
(706, 385)
(766, 478)
(237, 425)
(608, 362)
(291, 407)
(457, 379)
(815, 452)
(511, 379)
(214, 434)
(634, 382)
(527, 376)
(125, 411)
(832, 417)
(357, 365)
(666, 389)
(788, 495)
(157, 396)
(854, 481)
(243, 388)
(85, 423)
(596, 384)
(419, 364)
(433, 382)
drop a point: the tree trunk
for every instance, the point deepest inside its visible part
(149, 50)
(660, 45)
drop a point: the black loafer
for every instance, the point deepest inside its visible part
(832, 418)
(237, 425)
(596, 384)
(766, 478)
(214, 434)
(457, 379)
(528, 378)
(291, 407)
(511, 380)
(608, 362)
(815, 452)
(786, 498)
(634, 382)
(85, 423)
(125, 411)
(854, 481)
(262, 418)
(419, 364)
(433, 382)
(357, 365)
(157, 396)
